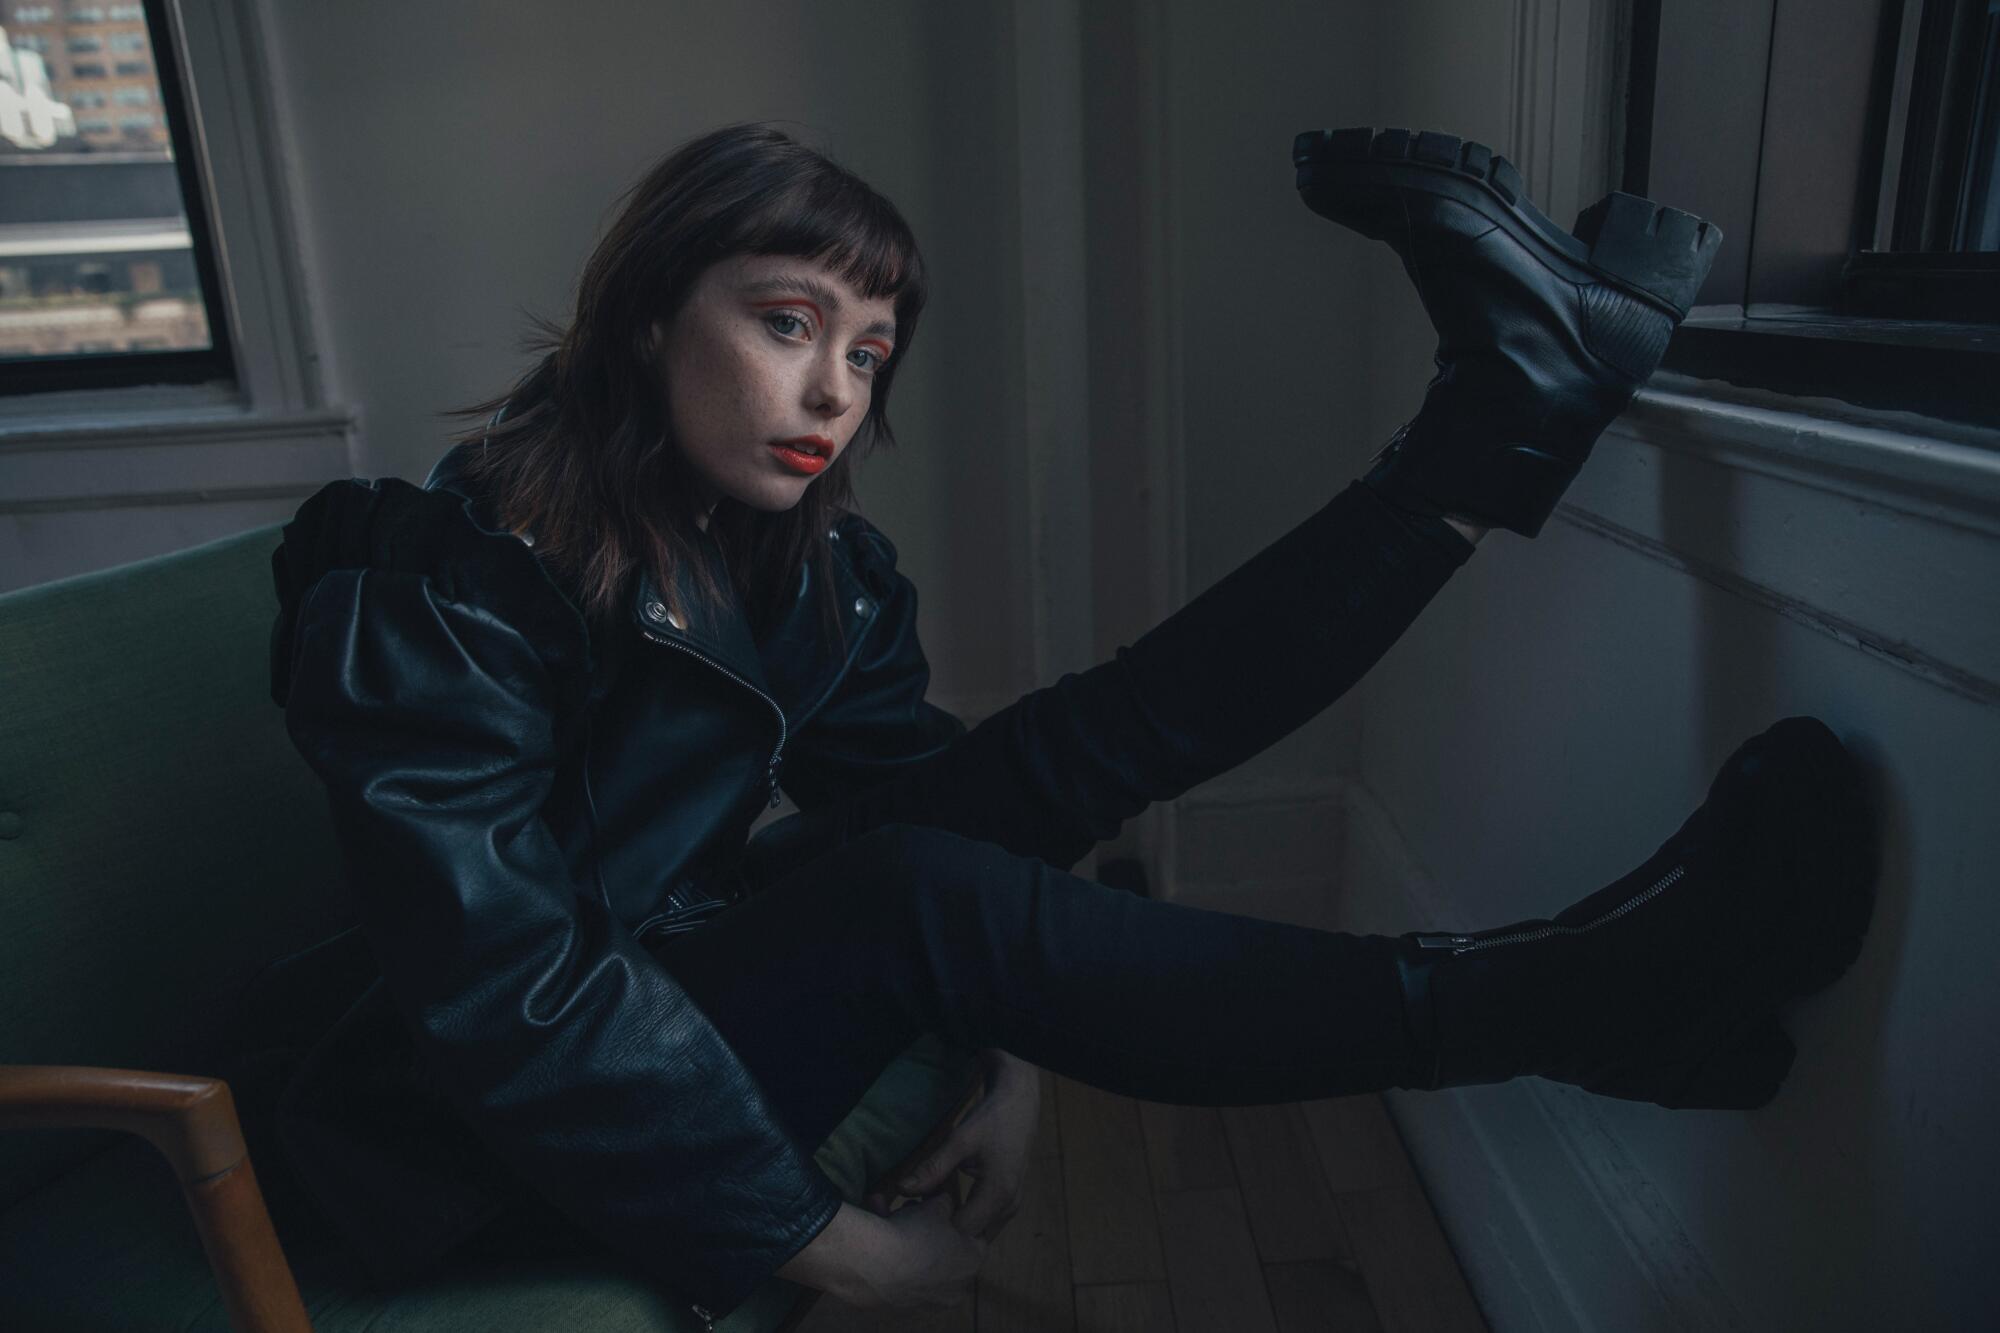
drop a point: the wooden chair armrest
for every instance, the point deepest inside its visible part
(192, 1122)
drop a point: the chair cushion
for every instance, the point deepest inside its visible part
(109, 1245)
(162, 837)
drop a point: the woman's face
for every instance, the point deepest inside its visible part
(770, 348)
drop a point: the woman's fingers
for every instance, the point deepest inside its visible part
(986, 1209)
(936, 1169)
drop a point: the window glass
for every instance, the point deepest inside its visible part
(96, 248)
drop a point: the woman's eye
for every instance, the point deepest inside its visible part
(786, 324)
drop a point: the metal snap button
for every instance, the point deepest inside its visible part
(527, 539)
(658, 611)
(861, 606)
(832, 536)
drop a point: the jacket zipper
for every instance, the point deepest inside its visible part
(707, 1319)
(1459, 944)
(693, 915)
(777, 755)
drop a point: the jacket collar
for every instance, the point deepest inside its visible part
(791, 666)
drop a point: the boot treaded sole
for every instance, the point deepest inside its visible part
(1655, 253)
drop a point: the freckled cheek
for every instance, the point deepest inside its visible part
(720, 394)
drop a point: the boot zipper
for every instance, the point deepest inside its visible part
(1459, 944)
(707, 1319)
(777, 755)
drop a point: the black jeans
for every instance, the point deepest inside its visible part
(938, 901)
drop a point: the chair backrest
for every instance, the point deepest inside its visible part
(160, 837)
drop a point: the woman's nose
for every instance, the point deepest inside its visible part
(829, 391)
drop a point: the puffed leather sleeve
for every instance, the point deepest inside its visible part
(431, 682)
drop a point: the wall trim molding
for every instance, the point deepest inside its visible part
(1903, 656)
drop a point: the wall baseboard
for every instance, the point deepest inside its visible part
(1556, 1225)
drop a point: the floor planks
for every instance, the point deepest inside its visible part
(1138, 1217)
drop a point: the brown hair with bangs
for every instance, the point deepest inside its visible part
(581, 454)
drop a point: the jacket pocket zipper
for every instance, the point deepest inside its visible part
(1459, 944)
(777, 755)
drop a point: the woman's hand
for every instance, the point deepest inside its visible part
(928, 1263)
(991, 1144)
(913, 1257)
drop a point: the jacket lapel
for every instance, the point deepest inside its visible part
(723, 637)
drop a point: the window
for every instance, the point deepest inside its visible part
(127, 41)
(1847, 149)
(132, 69)
(30, 42)
(111, 277)
(85, 44)
(34, 13)
(86, 14)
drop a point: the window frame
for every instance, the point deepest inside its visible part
(213, 364)
(274, 430)
(1836, 339)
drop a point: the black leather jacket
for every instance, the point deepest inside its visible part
(517, 807)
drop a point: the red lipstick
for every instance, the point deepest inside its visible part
(806, 455)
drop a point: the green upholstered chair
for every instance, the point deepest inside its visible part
(160, 843)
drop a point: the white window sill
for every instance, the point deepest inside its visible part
(1920, 465)
(163, 446)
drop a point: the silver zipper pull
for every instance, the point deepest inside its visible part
(707, 1319)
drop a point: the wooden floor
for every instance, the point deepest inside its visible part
(1144, 1218)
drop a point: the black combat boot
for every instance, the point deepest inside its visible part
(1543, 336)
(1666, 985)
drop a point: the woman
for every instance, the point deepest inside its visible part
(550, 692)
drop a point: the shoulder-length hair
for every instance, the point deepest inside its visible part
(582, 454)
